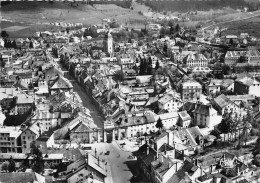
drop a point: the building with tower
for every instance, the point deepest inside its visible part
(108, 44)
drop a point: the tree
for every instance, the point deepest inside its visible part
(11, 166)
(31, 44)
(4, 34)
(165, 48)
(113, 24)
(157, 66)
(14, 44)
(159, 124)
(225, 69)
(231, 41)
(37, 164)
(4, 166)
(119, 75)
(163, 31)
(177, 28)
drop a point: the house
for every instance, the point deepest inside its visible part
(59, 83)
(205, 116)
(223, 103)
(232, 57)
(169, 102)
(45, 140)
(163, 168)
(10, 140)
(83, 132)
(184, 119)
(28, 135)
(86, 167)
(214, 86)
(187, 173)
(247, 85)
(195, 60)
(191, 90)
(22, 177)
(47, 120)
(168, 119)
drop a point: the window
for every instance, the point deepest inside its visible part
(23, 137)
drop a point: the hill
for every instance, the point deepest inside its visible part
(200, 5)
(37, 16)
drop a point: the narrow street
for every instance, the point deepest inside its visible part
(86, 100)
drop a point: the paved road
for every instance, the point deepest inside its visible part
(119, 169)
(86, 101)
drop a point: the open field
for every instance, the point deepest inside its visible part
(39, 14)
(251, 26)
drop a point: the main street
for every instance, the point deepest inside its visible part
(86, 99)
(117, 159)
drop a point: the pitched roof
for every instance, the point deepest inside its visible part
(222, 101)
(184, 116)
(180, 176)
(60, 83)
(204, 109)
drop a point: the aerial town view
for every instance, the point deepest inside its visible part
(130, 91)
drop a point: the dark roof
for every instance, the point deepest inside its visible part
(180, 177)
(188, 106)
(165, 147)
(142, 154)
(161, 167)
(205, 177)
(202, 109)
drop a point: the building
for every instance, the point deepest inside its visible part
(214, 86)
(87, 168)
(108, 44)
(29, 134)
(184, 119)
(191, 90)
(205, 116)
(10, 139)
(169, 102)
(247, 85)
(47, 120)
(195, 60)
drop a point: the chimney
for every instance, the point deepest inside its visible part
(201, 171)
(211, 169)
(161, 158)
(147, 150)
(196, 162)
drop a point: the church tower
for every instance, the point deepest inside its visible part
(109, 44)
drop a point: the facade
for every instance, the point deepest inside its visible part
(247, 85)
(205, 116)
(191, 90)
(169, 102)
(195, 60)
(10, 140)
(29, 135)
(184, 119)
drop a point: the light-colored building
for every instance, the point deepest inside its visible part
(247, 85)
(29, 135)
(214, 86)
(191, 90)
(169, 102)
(195, 60)
(184, 119)
(205, 116)
(10, 141)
